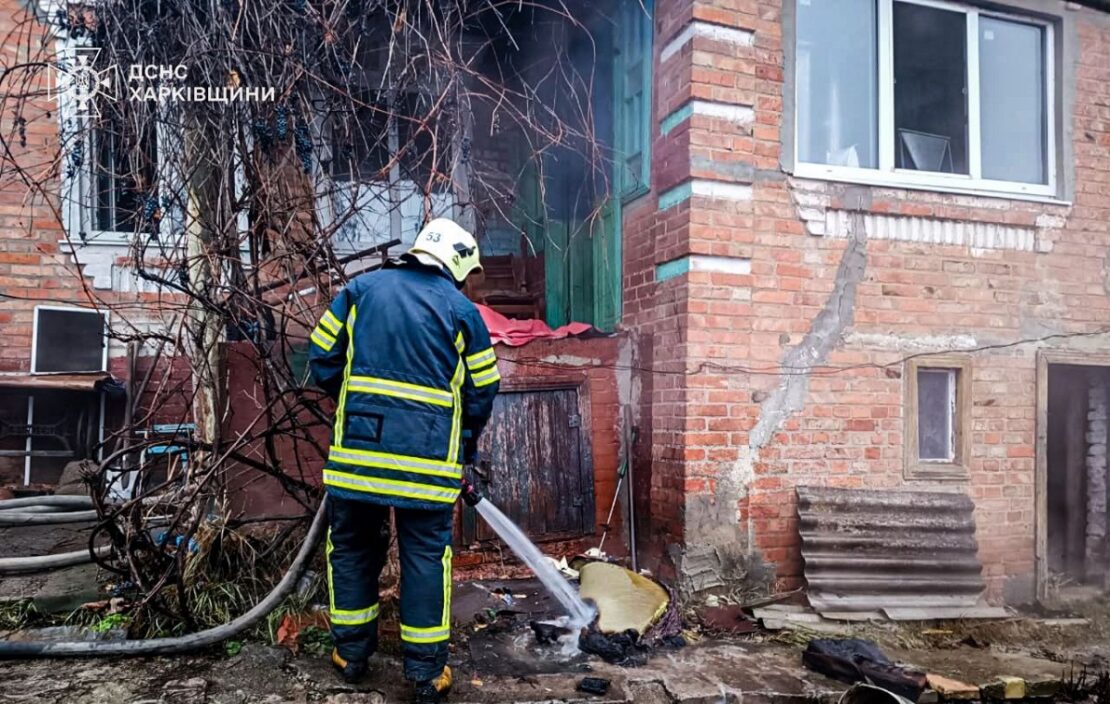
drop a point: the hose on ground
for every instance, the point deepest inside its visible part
(46, 510)
(22, 518)
(28, 509)
(74, 501)
(182, 644)
(40, 563)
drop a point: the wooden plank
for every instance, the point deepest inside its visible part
(949, 688)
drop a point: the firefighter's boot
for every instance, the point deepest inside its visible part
(434, 691)
(352, 672)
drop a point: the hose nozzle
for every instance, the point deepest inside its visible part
(470, 495)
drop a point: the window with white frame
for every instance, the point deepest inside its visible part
(115, 184)
(938, 393)
(925, 94)
(389, 158)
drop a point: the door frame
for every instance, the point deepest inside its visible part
(1045, 358)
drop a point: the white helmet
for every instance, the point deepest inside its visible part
(443, 242)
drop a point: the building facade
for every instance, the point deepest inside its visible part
(852, 243)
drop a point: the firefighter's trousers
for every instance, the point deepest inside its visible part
(357, 548)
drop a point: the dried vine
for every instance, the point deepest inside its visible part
(373, 101)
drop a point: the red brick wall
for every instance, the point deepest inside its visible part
(37, 261)
(32, 268)
(911, 297)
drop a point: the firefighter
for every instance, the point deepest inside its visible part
(409, 362)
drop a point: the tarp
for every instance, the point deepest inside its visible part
(515, 333)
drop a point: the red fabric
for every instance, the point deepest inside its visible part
(515, 333)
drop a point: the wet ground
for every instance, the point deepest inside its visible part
(702, 673)
(497, 659)
(494, 667)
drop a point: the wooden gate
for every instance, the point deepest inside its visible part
(535, 454)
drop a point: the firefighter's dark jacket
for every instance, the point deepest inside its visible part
(409, 362)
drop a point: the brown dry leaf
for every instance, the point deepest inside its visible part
(288, 633)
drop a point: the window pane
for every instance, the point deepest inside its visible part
(123, 171)
(837, 77)
(1012, 85)
(106, 191)
(930, 89)
(935, 407)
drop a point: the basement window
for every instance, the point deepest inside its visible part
(925, 94)
(937, 403)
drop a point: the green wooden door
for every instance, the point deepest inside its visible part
(581, 240)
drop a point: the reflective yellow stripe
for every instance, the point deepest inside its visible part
(353, 617)
(339, 415)
(331, 322)
(390, 487)
(344, 617)
(459, 344)
(435, 634)
(486, 378)
(481, 359)
(447, 555)
(456, 418)
(327, 561)
(323, 339)
(400, 389)
(401, 463)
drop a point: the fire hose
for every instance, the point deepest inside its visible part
(178, 644)
(46, 510)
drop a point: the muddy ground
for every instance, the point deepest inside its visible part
(496, 659)
(508, 667)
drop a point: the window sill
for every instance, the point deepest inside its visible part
(938, 183)
(936, 471)
(105, 238)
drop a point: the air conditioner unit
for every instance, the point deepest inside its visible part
(69, 340)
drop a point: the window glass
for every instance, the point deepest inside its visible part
(1012, 112)
(123, 170)
(837, 74)
(360, 147)
(930, 89)
(936, 389)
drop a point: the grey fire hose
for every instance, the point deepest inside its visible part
(27, 518)
(182, 644)
(46, 510)
(55, 501)
(39, 563)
